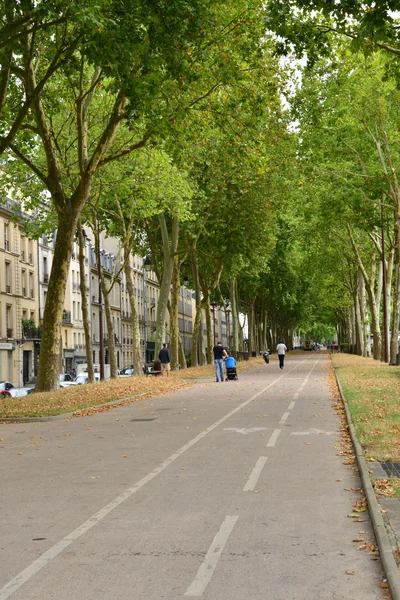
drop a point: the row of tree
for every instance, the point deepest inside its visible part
(163, 124)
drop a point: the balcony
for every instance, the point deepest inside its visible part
(32, 333)
(8, 289)
(7, 245)
(30, 258)
(24, 292)
(66, 317)
(31, 293)
(45, 278)
(9, 333)
(23, 255)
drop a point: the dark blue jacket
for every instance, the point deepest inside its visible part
(164, 355)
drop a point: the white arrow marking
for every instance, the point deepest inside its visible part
(313, 431)
(245, 431)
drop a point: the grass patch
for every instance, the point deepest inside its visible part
(372, 390)
(84, 399)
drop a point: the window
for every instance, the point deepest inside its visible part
(6, 237)
(74, 310)
(9, 321)
(31, 285)
(45, 270)
(33, 316)
(8, 278)
(30, 253)
(23, 281)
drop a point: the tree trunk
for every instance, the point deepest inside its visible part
(174, 314)
(182, 357)
(110, 328)
(394, 343)
(49, 365)
(169, 250)
(210, 330)
(137, 356)
(235, 316)
(197, 333)
(85, 308)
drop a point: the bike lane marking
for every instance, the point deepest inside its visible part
(212, 557)
(255, 474)
(26, 574)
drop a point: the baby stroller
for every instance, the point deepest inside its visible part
(230, 365)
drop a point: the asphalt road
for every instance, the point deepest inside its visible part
(225, 491)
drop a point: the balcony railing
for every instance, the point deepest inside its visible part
(32, 333)
(22, 254)
(30, 257)
(7, 245)
(8, 289)
(9, 333)
(31, 293)
(24, 291)
(45, 278)
(74, 286)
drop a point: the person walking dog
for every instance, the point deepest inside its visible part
(281, 349)
(219, 353)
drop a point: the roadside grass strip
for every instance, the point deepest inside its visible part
(372, 390)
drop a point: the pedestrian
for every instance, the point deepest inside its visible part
(165, 360)
(219, 353)
(281, 349)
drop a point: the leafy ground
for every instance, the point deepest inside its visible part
(372, 390)
(84, 400)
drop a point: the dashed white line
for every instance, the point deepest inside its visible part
(296, 396)
(213, 555)
(291, 405)
(284, 417)
(255, 474)
(14, 584)
(273, 438)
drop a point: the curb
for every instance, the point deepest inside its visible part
(69, 415)
(385, 548)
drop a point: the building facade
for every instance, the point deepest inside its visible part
(25, 270)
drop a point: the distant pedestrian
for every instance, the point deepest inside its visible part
(219, 353)
(165, 360)
(281, 349)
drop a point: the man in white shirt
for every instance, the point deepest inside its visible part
(281, 349)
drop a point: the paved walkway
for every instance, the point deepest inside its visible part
(222, 492)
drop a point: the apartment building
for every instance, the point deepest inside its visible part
(25, 269)
(19, 349)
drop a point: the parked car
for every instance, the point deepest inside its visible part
(80, 379)
(65, 377)
(8, 389)
(126, 372)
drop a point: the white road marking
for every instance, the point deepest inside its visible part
(245, 431)
(255, 474)
(296, 396)
(284, 417)
(14, 584)
(313, 431)
(271, 442)
(213, 555)
(292, 405)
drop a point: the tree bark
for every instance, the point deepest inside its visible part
(174, 314)
(137, 356)
(85, 308)
(169, 250)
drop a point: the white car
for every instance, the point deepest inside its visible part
(7, 389)
(81, 379)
